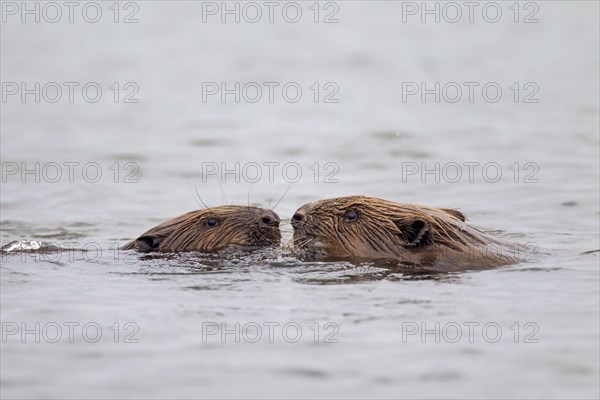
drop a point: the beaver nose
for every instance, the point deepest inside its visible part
(269, 218)
(298, 218)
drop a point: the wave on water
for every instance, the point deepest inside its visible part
(26, 246)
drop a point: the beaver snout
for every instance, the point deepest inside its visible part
(298, 218)
(269, 219)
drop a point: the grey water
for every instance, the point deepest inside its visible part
(88, 171)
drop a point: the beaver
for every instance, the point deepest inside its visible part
(212, 229)
(369, 228)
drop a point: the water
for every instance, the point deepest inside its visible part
(352, 330)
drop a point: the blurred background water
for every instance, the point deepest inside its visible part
(368, 140)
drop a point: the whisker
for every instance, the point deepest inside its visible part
(269, 227)
(249, 190)
(305, 242)
(297, 247)
(197, 195)
(286, 191)
(307, 224)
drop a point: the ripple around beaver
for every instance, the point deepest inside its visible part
(275, 261)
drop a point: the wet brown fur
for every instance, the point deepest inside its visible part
(238, 225)
(420, 235)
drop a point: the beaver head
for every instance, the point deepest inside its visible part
(212, 229)
(368, 227)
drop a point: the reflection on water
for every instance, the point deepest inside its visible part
(234, 260)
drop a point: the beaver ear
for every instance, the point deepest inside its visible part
(454, 213)
(415, 232)
(148, 243)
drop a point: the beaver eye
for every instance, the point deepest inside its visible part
(351, 216)
(212, 222)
